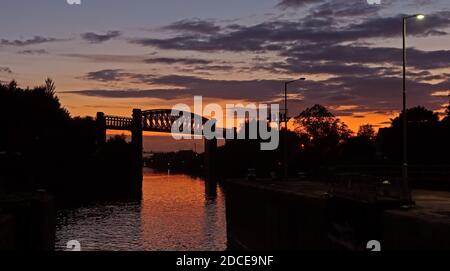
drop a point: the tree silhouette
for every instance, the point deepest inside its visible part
(317, 125)
(367, 131)
(360, 148)
(425, 136)
(417, 115)
(50, 86)
(446, 119)
(320, 134)
(59, 153)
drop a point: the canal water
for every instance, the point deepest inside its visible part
(177, 213)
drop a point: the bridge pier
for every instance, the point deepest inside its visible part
(101, 128)
(136, 141)
(210, 161)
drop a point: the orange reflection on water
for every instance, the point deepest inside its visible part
(176, 214)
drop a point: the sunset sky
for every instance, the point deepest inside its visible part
(115, 55)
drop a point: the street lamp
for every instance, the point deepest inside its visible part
(286, 123)
(406, 190)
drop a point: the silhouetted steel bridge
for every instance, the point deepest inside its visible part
(159, 120)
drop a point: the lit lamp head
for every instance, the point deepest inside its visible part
(420, 16)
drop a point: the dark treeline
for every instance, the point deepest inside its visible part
(322, 147)
(43, 147)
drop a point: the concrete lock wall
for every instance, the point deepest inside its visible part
(7, 231)
(27, 222)
(261, 217)
(404, 230)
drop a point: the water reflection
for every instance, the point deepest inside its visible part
(176, 213)
(210, 191)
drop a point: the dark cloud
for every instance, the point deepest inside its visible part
(197, 26)
(35, 40)
(296, 3)
(297, 66)
(197, 43)
(193, 65)
(33, 52)
(183, 86)
(340, 97)
(385, 26)
(105, 58)
(108, 58)
(369, 93)
(427, 76)
(378, 94)
(5, 70)
(185, 61)
(207, 69)
(241, 38)
(358, 61)
(108, 75)
(341, 54)
(130, 93)
(329, 40)
(99, 38)
(345, 9)
(280, 35)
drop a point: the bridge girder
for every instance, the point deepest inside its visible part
(160, 120)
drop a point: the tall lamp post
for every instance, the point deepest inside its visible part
(406, 190)
(285, 156)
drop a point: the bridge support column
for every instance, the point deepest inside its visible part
(136, 141)
(210, 160)
(101, 128)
